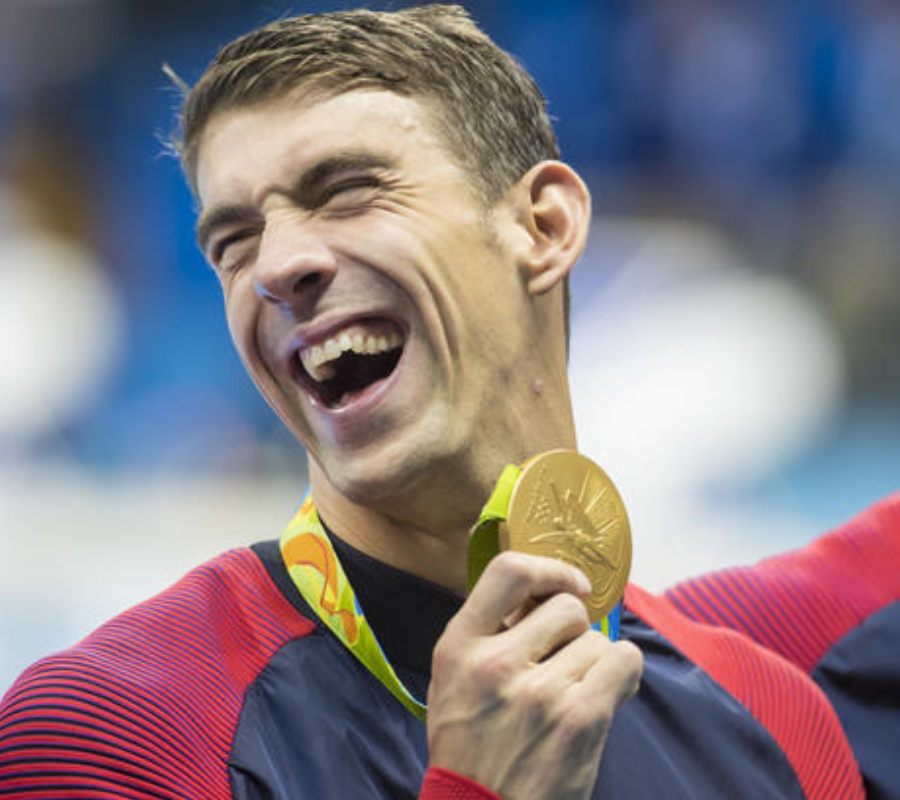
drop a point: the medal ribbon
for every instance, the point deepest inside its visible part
(316, 571)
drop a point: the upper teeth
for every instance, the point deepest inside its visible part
(317, 359)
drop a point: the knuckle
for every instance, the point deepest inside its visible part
(535, 699)
(538, 689)
(448, 652)
(582, 723)
(573, 609)
(633, 662)
(569, 614)
(630, 652)
(510, 565)
(443, 652)
(489, 667)
(596, 644)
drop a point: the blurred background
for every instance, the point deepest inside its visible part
(736, 319)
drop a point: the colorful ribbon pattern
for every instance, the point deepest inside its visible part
(316, 571)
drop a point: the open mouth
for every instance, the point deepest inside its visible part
(349, 362)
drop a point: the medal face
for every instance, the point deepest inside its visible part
(566, 507)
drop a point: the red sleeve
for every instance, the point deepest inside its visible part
(442, 784)
(801, 603)
(146, 707)
(785, 700)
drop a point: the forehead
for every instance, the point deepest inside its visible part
(262, 143)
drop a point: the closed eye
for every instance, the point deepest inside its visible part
(343, 191)
(221, 247)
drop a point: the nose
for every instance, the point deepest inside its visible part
(293, 262)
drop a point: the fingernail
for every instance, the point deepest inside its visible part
(583, 583)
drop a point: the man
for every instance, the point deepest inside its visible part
(381, 200)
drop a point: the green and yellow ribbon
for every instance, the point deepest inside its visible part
(316, 571)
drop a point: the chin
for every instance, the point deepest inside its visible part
(398, 471)
(371, 478)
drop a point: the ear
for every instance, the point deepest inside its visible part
(554, 206)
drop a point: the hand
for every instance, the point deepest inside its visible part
(523, 691)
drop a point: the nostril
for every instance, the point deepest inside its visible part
(307, 281)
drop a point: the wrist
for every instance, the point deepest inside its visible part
(445, 784)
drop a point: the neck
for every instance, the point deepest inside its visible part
(424, 530)
(419, 549)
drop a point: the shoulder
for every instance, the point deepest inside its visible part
(760, 630)
(151, 699)
(801, 603)
(782, 698)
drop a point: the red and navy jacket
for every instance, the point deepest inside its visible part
(780, 680)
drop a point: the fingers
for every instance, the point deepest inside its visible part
(572, 663)
(556, 622)
(523, 691)
(594, 701)
(509, 581)
(597, 668)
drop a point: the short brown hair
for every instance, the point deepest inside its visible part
(488, 109)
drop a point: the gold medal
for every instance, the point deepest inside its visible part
(564, 506)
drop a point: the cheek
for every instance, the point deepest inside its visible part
(257, 348)
(236, 318)
(242, 313)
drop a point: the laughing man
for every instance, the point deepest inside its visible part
(382, 201)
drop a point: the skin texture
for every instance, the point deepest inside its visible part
(318, 212)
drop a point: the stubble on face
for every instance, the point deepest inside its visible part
(423, 246)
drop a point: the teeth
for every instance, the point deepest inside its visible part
(317, 359)
(314, 363)
(324, 373)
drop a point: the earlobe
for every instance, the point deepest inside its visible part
(557, 212)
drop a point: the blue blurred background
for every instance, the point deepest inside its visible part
(736, 319)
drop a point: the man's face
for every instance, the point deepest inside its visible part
(367, 290)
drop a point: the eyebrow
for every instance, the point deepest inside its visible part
(220, 215)
(305, 189)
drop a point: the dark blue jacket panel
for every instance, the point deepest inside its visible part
(316, 725)
(861, 676)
